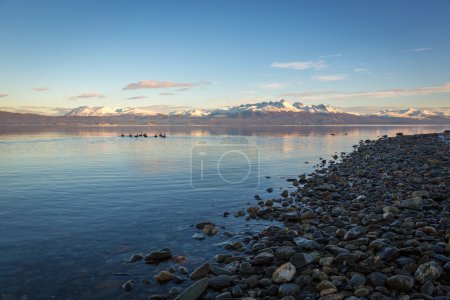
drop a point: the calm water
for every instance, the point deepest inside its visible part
(75, 204)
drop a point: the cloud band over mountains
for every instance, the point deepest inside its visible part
(155, 84)
(428, 90)
(87, 95)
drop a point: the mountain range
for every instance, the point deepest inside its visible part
(281, 106)
(262, 113)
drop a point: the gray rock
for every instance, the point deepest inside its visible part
(429, 271)
(305, 243)
(353, 233)
(236, 291)
(336, 250)
(220, 271)
(284, 252)
(357, 281)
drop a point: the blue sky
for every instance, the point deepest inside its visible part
(63, 54)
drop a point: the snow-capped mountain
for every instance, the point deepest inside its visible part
(107, 111)
(265, 107)
(276, 106)
(190, 113)
(412, 113)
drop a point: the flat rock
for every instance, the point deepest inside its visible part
(201, 271)
(194, 291)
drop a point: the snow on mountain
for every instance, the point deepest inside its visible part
(277, 106)
(190, 113)
(412, 113)
(107, 111)
(267, 106)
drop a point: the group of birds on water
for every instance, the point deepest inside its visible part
(162, 135)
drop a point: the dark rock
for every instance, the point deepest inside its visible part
(401, 283)
(299, 260)
(288, 289)
(219, 282)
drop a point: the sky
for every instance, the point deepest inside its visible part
(56, 55)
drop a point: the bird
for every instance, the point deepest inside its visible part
(122, 135)
(156, 135)
(130, 135)
(145, 135)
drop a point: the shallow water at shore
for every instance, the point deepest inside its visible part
(76, 203)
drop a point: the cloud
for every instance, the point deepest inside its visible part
(87, 95)
(300, 65)
(164, 108)
(41, 89)
(399, 92)
(273, 86)
(137, 97)
(183, 89)
(40, 110)
(3, 95)
(421, 49)
(155, 84)
(167, 94)
(360, 70)
(326, 78)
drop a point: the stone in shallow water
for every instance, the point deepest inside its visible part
(164, 276)
(401, 283)
(284, 273)
(199, 236)
(157, 256)
(194, 291)
(428, 272)
(129, 285)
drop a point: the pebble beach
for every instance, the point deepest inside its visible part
(371, 224)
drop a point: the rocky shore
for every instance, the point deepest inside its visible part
(375, 225)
